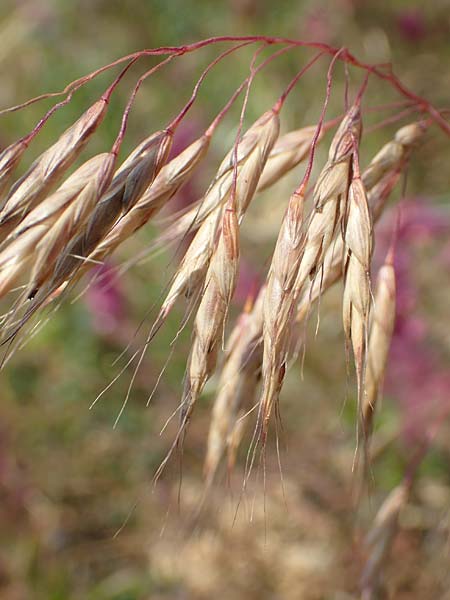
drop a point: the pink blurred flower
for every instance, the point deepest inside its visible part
(415, 376)
(105, 300)
(248, 283)
(411, 25)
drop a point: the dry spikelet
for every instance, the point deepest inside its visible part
(392, 153)
(357, 259)
(288, 152)
(220, 278)
(253, 151)
(69, 223)
(380, 538)
(329, 197)
(209, 321)
(279, 303)
(8, 161)
(332, 265)
(236, 387)
(131, 180)
(83, 185)
(46, 170)
(191, 272)
(166, 183)
(381, 329)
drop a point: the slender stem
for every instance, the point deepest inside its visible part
(302, 187)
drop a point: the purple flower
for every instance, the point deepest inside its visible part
(411, 25)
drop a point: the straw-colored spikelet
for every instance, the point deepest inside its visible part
(279, 303)
(290, 150)
(393, 153)
(131, 180)
(380, 538)
(381, 329)
(191, 272)
(68, 225)
(46, 170)
(237, 386)
(166, 183)
(329, 197)
(253, 151)
(218, 290)
(8, 161)
(357, 259)
(83, 186)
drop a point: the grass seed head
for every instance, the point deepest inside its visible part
(253, 151)
(329, 197)
(357, 259)
(279, 304)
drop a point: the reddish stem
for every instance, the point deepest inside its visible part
(232, 199)
(302, 187)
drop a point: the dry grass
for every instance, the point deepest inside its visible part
(50, 239)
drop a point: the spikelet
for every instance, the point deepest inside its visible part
(68, 225)
(83, 185)
(329, 197)
(191, 272)
(289, 151)
(46, 170)
(279, 304)
(393, 153)
(166, 183)
(357, 259)
(218, 290)
(253, 151)
(237, 386)
(380, 538)
(131, 180)
(8, 161)
(382, 327)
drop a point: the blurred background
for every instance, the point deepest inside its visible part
(69, 481)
